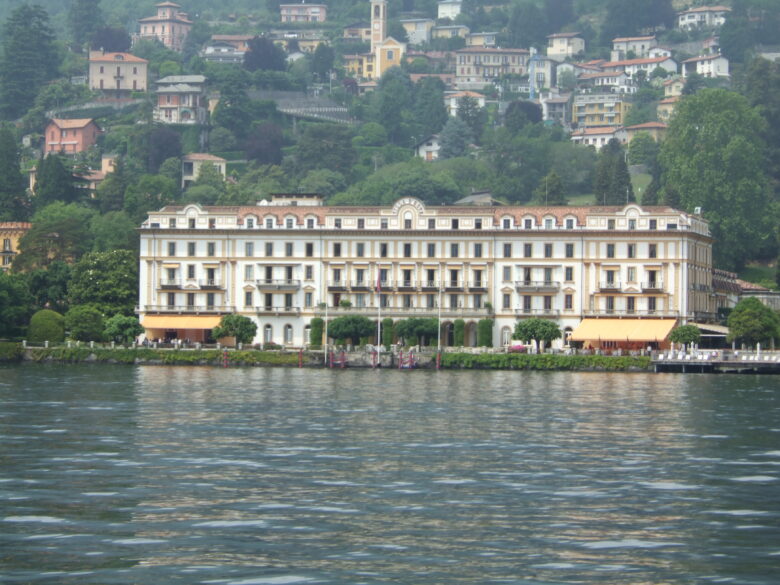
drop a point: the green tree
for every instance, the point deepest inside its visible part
(150, 192)
(459, 332)
(264, 144)
(454, 139)
(631, 17)
(520, 113)
(713, 157)
(685, 334)
(107, 280)
(111, 39)
(388, 331)
(46, 325)
(322, 181)
(643, 149)
(84, 20)
(242, 328)
(536, 330)
(59, 232)
(49, 286)
(474, 116)
(13, 201)
(751, 322)
(326, 146)
(263, 54)
(115, 230)
(761, 87)
(54, 182)
(316, 331)
(417, 330)
(15, 304)
(234, 109)
(392, 103)
(322, 61)
(527, 26)
(111, 191)
(84, 323)
(163, 143)
(485, 333)
(613, 181)
(29, 59)
(551, 191)
(351, 327)
(123, 328)
(429, 110)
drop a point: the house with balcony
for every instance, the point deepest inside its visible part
(600, 109)
(637, 47)
(481, 39)
(448, 9)
(418, 30)
(302, 12)
(633, 66)
(181, 99)
(281, 264)
(117, 74)
(477, 67)
(170, 26)
(702, 17)
(70, 136)
(599, 136)
(565, 45)
(428, 148)
(10, 234)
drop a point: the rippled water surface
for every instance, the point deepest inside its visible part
(157, 475)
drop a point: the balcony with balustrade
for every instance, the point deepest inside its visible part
(271, 311)
(278, 284)
(210, 284)
(531, 286)
(199, 309)
(610, 286)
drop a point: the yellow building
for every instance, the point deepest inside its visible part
(386, 52)
(10, 234)
(600, 109)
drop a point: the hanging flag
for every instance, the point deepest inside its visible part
(378, 280)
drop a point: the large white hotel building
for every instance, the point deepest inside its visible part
(608, 276)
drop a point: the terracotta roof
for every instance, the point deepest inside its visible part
(645, 61)
(126, 57)
(492, 50)
(473, 94)
(625, 39)
(15, 225)
(745, 285)
(648, 125)
(203, 156)
(670, 100)
(595, 130)
(706, 9)
(232, 37)
(598, 74)
(74, 123)
(563, 35)
(703, 58)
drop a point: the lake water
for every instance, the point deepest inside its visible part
(158, 475)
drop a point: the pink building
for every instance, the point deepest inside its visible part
(303, 12)
(171, 26)
(117, 73)
(70, 136)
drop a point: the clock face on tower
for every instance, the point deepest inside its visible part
(376, 25)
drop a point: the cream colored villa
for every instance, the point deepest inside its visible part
(608, 276)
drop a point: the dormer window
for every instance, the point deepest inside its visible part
(337, 223)
(548, 223)
(528, 224)
(269, 223)
(288, 223)
(569, 223)
(250, 223)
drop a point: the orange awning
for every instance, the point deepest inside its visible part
(623, 329)
(180, 321)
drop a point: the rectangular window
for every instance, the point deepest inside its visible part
(610, 250)
(288, 301)
(288, 249)
(507, 250)
(249, 249)
(269, 249)
(249, 272)
(610, 224)
(337, 249)
(631, 250)
(568, 274)
(190, 249)
(361, 222)
(631, 274)
(191, 223)
(610, 304)
(248, 300)
(507, 273)
(308, 299)
(506, 224)
(407, 250)
(632, 224)
(250, 223)
(269, 223)
(548, 275)
(506, 301)
(171, 248)
(171, 299)
(407, 224)
(528, 250)
(653, 224)
(527, 300)
(383, 223)
(548, 302)
(548, 250)
(651, 304)
(569, 223)
(548, 223)
(477, 224)
(288, 223)
(383, 250)
(652, 251)
(453, 301)
(431, 224)
(212, 223)
(630, 304)
(528, 224)
(570, 250)
(309, 249)
(337, 223)
(568, 301)
(310, 224)
(477, 250)
(337, 276)
(431, 250)
(190, 271)
(455, 223)
(360, 250)
(308, 272)
(610, 278)
(454, 250)
(171, 222)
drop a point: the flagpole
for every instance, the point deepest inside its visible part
(378, 290)
(438, 340)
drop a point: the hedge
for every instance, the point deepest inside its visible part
(543, 361)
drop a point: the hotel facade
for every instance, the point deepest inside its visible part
(608, 276)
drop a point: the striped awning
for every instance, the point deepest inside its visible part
(623, 329)
(165, 322)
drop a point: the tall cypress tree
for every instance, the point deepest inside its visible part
(54, 182)
(84, 20)
(30, 59)
(12, 184)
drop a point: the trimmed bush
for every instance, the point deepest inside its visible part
(485, 333)
(459, 332)
(388, 332)
(84, 323)
(315, 336)
(46, 325)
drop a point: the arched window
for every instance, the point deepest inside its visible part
(268, 334)
(307, 334)
(506, 335)
(288, 334)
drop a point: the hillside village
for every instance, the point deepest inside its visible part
(471, 113)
